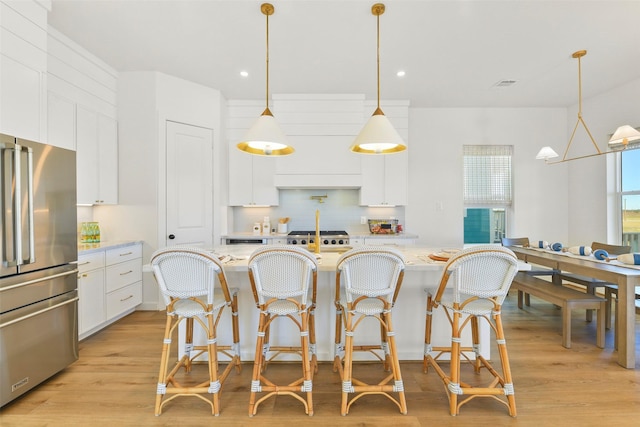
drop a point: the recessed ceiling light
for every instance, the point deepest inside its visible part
(400, 73)
(244, 73)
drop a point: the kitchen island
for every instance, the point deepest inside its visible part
(408, 314)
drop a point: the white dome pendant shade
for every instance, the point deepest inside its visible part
(624, 135)
(378, 136)
(264, 137)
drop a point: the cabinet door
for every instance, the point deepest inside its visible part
(384, 179)
(87, 156)
(251, 179)
(61, 122)
(96, 158)
(107, 161)
(91, 307)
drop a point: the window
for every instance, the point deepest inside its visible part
(487, 192)
(630, 198)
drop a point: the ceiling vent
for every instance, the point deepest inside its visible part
(505, 83)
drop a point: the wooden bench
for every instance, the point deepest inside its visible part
(567, 299)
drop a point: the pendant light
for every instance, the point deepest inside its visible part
(265, 138)
(378, 136)
(621, 137)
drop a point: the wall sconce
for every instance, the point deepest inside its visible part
(320, 199)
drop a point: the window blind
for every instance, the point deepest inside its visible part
(487, 174)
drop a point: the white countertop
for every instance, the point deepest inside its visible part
(87, 248)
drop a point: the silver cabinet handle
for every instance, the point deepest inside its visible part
(127, 253)
(126, 272)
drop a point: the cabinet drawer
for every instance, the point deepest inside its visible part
(123, 299)
(90, 261)
(126, 253)
(123, 274)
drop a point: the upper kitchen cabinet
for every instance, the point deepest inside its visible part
(385, 178)
(250, 176)
(321, 128)
(82, 106)
(251, 179)
(97, 158)
(23, 61)
(61, 121)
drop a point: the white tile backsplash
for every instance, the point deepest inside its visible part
(339, 211)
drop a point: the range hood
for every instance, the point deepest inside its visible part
(300, 181)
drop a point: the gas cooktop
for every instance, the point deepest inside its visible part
(327, 237)
(322, 233)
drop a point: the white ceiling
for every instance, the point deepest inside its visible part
(453, 51)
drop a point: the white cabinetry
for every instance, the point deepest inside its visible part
(23, 65)
(123, 279)
(61, 121)
(385, 179)
(97, 157)
(109, 286)
(251, 179)
(91, 307)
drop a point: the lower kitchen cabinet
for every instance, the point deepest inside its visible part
(109, 286)
(91, 305)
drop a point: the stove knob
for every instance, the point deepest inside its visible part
(303, 242)
(333, 242)
(294, 242)
(341, 242)
(325, 241)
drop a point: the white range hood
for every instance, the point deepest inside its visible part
(299, 181)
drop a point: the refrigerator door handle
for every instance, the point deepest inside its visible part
(17, 208)
(31, 228)
(28, 316)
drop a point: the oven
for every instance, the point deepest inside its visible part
(246, 241)
(333, 238)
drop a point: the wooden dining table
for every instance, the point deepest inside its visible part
(626, 277)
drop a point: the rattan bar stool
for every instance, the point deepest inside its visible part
(473, 286)
(283, 280)
(187, 280)
(368, 280)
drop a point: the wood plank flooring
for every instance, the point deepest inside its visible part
(115, 379)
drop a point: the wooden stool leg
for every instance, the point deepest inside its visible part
(338, 346)
(427, 332)
(347, 364)
(257, 363)
(395, 363)
(307, 384)
(164, 361)
(236, 332)
(506, 366)
(212, 349)
(454, 375)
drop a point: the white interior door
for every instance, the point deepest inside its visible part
(189, 185)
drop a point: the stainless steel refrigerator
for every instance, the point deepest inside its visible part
(38, 274)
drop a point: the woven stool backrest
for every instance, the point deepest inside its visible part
(485, 271)
(183, 272)
(282, 272)
(371, 271)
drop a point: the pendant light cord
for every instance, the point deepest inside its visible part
(378, 58)
(267, 38)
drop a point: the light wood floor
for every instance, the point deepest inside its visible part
(115, 379)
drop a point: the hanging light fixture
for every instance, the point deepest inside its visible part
(378, 136)
(265, 138)
(621, 138)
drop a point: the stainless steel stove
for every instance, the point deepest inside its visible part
(327, 237)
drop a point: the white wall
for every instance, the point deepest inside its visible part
(146, 100)
(592, 200)
(540, 207)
